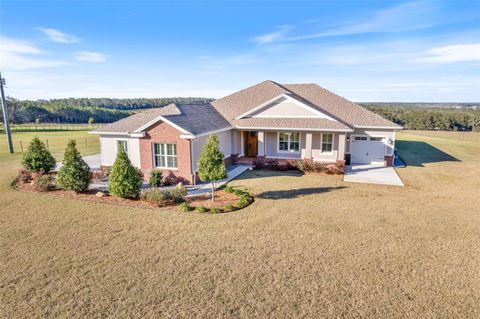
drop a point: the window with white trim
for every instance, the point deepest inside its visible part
(122, 145)
(165, 155)
(360, 138)
(327, 143)
(376, 139)
(288, 142)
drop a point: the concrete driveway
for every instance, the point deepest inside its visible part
(372, 174)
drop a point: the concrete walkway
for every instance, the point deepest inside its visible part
(94, 161)
(206, 188)
(372, 174)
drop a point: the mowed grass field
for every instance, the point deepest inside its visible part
(309, 246)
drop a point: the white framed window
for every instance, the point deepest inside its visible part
(288, 142)
(122, 145)
(376, 139)
(327, 142)
(360, 138)
(165, 155)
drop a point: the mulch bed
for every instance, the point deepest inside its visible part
(222, 198)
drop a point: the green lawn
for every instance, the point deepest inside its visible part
(309, 246)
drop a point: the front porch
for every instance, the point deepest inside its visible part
(288, 145)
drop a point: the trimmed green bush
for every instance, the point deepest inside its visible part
(156, 178)
(75, 174)
(38, 158)
(184, 207)
(229, 208)
(243, 201)
(45, 183)
(215, 210)
(201, 209)
(179, 193)
(124, 180)
(156, 197)
(229, 189)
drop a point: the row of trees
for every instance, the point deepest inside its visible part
(416, 118)
(124, 180)
(72, 110)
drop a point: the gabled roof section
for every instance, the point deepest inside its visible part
(285, 106)
(190, 119)
(340, 109)
(134, 122)
(349, 112)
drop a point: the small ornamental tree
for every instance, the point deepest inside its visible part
(38, 158)
(211, 167)
(74, 174)
(124, 180)
(91, 120)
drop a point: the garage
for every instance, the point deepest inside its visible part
(366, 149)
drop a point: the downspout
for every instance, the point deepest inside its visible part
(194, 180)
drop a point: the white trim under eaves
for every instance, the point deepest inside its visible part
(291, 129)
(380, 127)
(161, 118)
(140, 134)
(292, 99)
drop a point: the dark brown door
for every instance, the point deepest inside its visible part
(252, 144)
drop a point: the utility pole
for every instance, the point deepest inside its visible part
(5, 116)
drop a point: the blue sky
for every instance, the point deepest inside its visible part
(362, 50)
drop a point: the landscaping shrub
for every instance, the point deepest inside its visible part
(170, 179)
(75, 173)
(178, 193)
(38, 158)
(229, 208)
(215, 210)
(238, 192)
(201, 209)
(45, 183)
(229, 189)
(184, 207)
(124, 180)
(156, 178)
(156, 197)
(243, 201)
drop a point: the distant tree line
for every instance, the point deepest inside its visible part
(84, 110)
(420, 118)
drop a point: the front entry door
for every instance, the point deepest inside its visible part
(252, 144)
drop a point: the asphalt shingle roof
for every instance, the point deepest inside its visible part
(221, 113)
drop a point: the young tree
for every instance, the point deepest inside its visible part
(38, 158)
(124, 180)
(74, 174)
(211, 167)
(91, 120)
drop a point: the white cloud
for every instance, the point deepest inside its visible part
(451, 54)
(400, 18)
(89, 56)
(273, 36)
(17, 54)
(58, 36)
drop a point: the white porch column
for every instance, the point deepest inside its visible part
(242, 144)
(261, 143)
(308, 146)
(342, 142)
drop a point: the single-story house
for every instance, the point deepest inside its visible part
(267, 120)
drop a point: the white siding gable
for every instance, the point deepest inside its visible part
(287, 107)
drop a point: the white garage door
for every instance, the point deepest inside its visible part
(367, 149)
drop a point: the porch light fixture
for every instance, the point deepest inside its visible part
(348, 139)
(390, 141)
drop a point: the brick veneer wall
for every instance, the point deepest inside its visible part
(164, 133)
(388, 160)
